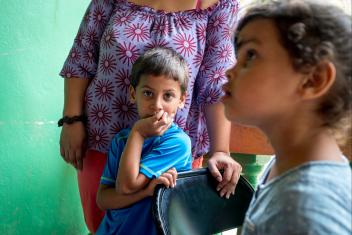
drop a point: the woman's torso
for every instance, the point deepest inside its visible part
(131, 29)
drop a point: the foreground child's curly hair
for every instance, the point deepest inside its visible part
(312, 33)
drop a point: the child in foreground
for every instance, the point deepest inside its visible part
(152, 151)
(293, 81)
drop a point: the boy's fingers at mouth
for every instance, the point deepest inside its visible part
(163, 120)
(172, 117)
(159, 114)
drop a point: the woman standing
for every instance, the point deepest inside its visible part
(112, 35)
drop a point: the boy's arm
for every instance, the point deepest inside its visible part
(129, 180)
(109, 198)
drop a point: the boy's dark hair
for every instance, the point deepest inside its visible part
(312, 33)
(161, 61)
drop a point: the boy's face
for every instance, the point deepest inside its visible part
(156, 94)
(263, 84)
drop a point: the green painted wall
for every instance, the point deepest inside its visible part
(38, 191)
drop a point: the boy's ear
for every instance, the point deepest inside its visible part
(319, 81)
(182, 100)
(132, 95)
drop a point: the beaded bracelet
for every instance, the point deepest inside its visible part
(70, 120)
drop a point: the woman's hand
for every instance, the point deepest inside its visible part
(73, 144)
(168, 179)
(232, 170)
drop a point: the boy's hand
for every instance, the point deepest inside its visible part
(155, 125)
(168, 179)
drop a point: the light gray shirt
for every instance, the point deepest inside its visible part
(314, 198)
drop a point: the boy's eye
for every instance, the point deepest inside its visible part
(147, 93)
(168, 96)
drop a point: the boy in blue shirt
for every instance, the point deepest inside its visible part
(149, 153)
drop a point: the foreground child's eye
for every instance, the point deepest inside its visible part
(251, 55)
(248, 57)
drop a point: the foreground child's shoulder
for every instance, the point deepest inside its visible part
(302, 186)
(316, 188)
(314, 205)
(316, 176)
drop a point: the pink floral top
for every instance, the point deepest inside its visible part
(112, 35)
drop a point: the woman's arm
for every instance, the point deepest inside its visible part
(219, 38)
(219, 128)
(219, 134)
(75, 90)
(72, 138)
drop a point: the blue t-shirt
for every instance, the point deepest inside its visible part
(159, 153)
(314, 198)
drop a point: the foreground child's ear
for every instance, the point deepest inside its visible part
(319, 81)
(182, 100)
(132, 95)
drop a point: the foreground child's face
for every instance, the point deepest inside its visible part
(263, 84)
(157, 94)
